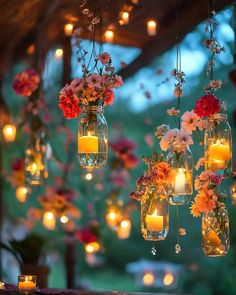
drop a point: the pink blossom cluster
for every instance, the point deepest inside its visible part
(206, 199)
(191, 122)
(176, 139)
(25, 83)
(92, 88)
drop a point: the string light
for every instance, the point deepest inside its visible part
(92, 247)
(125, 17)
(109, 36)
(31, 49)
(89, 176)
(58, 53)
(9, 132)
(148, 279)
(49, 220)
(151, 27)
(21, 194)
(64, 219)
(68, 29)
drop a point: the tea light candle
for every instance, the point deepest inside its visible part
(180, 181)
(219, 154)
(155, 222)
(123, 231)
(88, 144)
(68, 29)
(109, 36)
(21, 194)
(49, 220)
(9, 132)
(151, 27)
(27, 283)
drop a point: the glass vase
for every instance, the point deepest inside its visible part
(181, 188)
(215, 232)
(35, 159)
(218, 145)
(154, 216)
(92, 138)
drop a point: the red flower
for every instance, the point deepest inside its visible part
(108, 97)
(130, 160)
(26, 83)
(123, 145)
(85, 236)
(207, 105)
(68, 103)
(18, 165)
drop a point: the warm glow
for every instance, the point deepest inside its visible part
(180, 182)
(31, 49)
(87, 144)
(218, 155)
(151, 27)
(9, 132)
(125, 17)
(155, 222)
(21, 194)
(68, 29)
(26, 283)
(92, 247)
(64, 219)
(58, 53)
(123, 230)
(168, 279)
(89, 176)
(49, 220)
(148, 279)
(109, 36)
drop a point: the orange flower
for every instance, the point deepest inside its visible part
(195, 210)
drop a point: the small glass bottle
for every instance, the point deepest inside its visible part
(218, 145)
(181, 189)
(154, 215)
(35, 159)
(215, 232)
(92, 138)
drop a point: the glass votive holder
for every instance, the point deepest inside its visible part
(27, 283)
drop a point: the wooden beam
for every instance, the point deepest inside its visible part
(191, 14)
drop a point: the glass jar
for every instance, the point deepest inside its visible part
(35, 159)
(92, 138)
(114, 213)
(218, 145)
(215, 232)
(181, 189)
(154, 216)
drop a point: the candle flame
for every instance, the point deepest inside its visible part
(154, 213)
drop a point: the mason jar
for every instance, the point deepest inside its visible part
(218, 145)
(35, 159)
(181, 188)
(215, 232)
(154, 216)
(92, 138)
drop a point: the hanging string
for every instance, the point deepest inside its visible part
(178, 54)
(234, 5)
(210, 17)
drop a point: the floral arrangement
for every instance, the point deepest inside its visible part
(26, 82)
(206, 199)
(92, 89)
(158, 175)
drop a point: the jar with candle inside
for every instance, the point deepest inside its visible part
(92, 138)
(215, 232)
(35, 158)
(154, 215)
(218, 145)
(181, 188)
(114, 212)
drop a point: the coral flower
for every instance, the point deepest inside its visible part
(104, 57)
(68, 103)
(108, 97)
(26, 83)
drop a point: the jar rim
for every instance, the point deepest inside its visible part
(218, 116)
(92, 108)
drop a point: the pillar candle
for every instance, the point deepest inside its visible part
(154, 222)
(88, 144)
(180, 181)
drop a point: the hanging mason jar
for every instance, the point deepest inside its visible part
(35, 159)
(215, 232)
(181, 189)
(92, 138)
(218, 145)
(154, 216)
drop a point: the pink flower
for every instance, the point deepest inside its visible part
(108, 96)
(104, 57)
(117, 81)
(119, 178)
(26, 83)
(190, 121)
(169, 137)
(76, 85)
(217, 179)
(149, 139)
(200, 163)
(94, 80)
(184, 139)
(68, 103)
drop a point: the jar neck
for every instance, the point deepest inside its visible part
(177, 148)
(95, 109)
(219, 117)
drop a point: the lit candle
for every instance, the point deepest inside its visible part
(26, 283)
(9, 132)
(213, 239)
(219, 154)
(88, 144)
(92, 247)
(125, 17)
(21, 194)
(151, 27)
(68, 29)
(109, 36)
(2, 285)
(58, 53)
(148, 279)
(155, 222)
(180, 181)
(36, 166)
(123, 231)
(49, 220)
